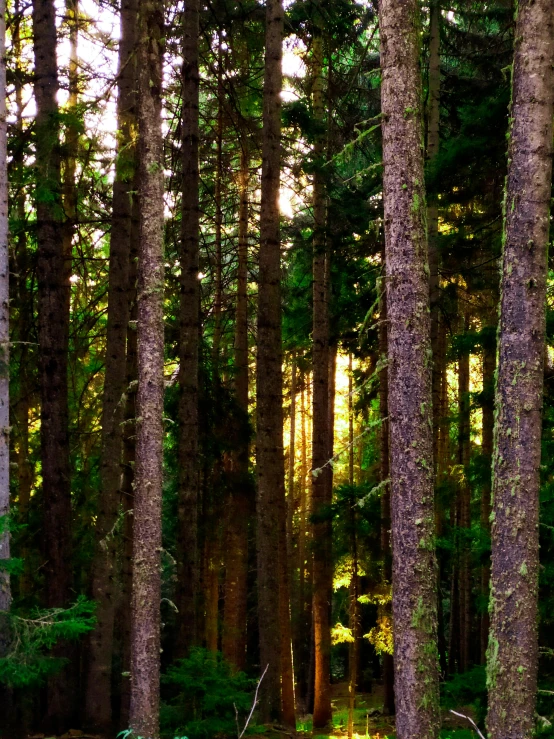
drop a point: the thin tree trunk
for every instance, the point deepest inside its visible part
(147, 514)
(287, 669)
(218, 298)
(302, 629)
(236, 562)
(322, 481)
(98, 716)
(354, 606)
(291, 487)
(409, 372)
(513, 649)
(269, 379)
(5, 590)
(464, 500)
(24, 403)
(350, 422)
(188, 577)
(127, 482)
(489, 367)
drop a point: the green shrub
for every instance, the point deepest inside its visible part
(208, 692)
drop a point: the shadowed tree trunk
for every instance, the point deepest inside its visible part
(269, 379)
(127, 482)
(99, 666)
(147, 512)
(187, 546)
(354, 606)
(236, 562)
(5, 591)
(409, 374)
(53, 330)
(464, 512)
(53, 307)
(321, 480)
(513, 650)
(489, 367)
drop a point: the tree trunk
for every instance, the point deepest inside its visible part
(186, 596)
(53, 308)
(433, 143)
(145, 610)
(388, 661)
(53, 335)
(25, 400)
(322, 480)
(489, 367)
(513, 649)
(464, 501)
(98, 715)
(218, 194)
(292, 500)
(409, 373)
(5, 590)
(127, 483)
(287, 669)
(236, 562)
(269, 379)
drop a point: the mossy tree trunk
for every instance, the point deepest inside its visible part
(409, 375)
(513, 649)
(147, 514)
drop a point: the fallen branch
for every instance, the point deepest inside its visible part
(240, 734)
(471, 721)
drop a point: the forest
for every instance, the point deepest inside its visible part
(276, 369)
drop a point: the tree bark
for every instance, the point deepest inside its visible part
(53, 308)
(127, 482)
(464, 512)
(386, 553)
(322, 480)
(53, 336)
(5, 590)
(433, 144)
(24, 402)
(145, 610)
(487, 444)
(410, 398)
(269, 379)
(186, 596)
(513, 649)
(98, 716)
(236, 563)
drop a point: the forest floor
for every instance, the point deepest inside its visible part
(369, 721)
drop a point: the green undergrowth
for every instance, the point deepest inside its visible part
(205, 697)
